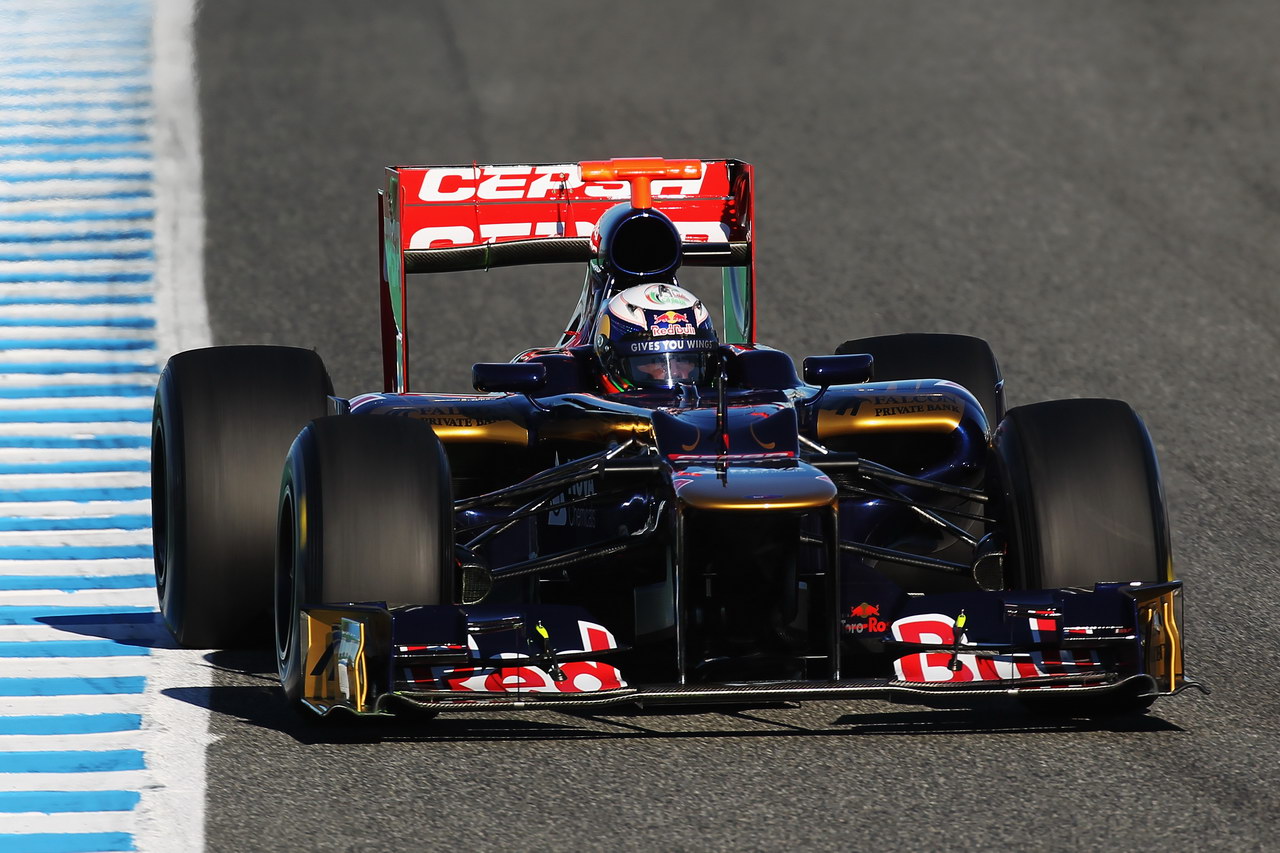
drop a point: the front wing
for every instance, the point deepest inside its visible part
(1116, 638)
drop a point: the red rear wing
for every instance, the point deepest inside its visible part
(449, 218)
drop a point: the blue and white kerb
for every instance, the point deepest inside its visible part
(77, 374)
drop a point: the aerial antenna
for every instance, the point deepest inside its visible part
(639, 171)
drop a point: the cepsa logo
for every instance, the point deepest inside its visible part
(530, 183)
(445, 236)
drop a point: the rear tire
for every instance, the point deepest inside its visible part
(1082, 500)
(961, 359)
(967, 361)
(365, 515)
(223, 421)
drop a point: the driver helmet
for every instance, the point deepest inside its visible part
(656, 335)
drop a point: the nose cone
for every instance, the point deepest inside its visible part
(744, 485)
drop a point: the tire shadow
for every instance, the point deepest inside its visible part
(142, 629)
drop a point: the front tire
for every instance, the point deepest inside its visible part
(1081, 495)
(365, 515)
(222, 424)
(1082, 501)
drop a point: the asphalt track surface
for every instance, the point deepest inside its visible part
(1094, 187)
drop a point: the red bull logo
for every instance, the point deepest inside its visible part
(671, 323)
(870, 625)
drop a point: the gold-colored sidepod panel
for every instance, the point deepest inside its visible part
(455, 418)
(752, 485)
(505, 419)
(923, 406)
(602, 428)
(470, 425)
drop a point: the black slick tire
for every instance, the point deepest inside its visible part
(365, 515)
(1080, 493)
(962, 359)
(223, 420)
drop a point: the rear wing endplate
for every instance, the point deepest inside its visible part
(450, 218)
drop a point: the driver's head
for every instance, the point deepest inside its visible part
(677, 367)
(656, 335)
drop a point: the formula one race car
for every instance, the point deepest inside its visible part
(651, 511)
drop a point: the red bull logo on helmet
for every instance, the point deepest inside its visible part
(671, 323)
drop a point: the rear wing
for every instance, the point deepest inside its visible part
(450, 218)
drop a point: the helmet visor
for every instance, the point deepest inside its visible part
(667, 370)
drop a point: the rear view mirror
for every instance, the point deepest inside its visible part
(520, 377)
(850, 369)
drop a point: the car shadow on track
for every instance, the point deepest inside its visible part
(245, 690)
(142, 629)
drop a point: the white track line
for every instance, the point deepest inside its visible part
(97, 667)
(25, 206)
(14, 455)
(74, 537)
(171, 817)
(86, 56)
(118, 100)
(47, 229)
(18, 381)
(124, 81)
(21, 356)
(73, 509)
(87, 568)
(71, 822)
(99, 405)
(85, 314)
(130, 402)
(27, 168)
(179, 224)
(130, 598)
(74, 430)
(64, 121)
(75, 481)
(123, 780)
(57, 250)
(72, 267)
(89, 189)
